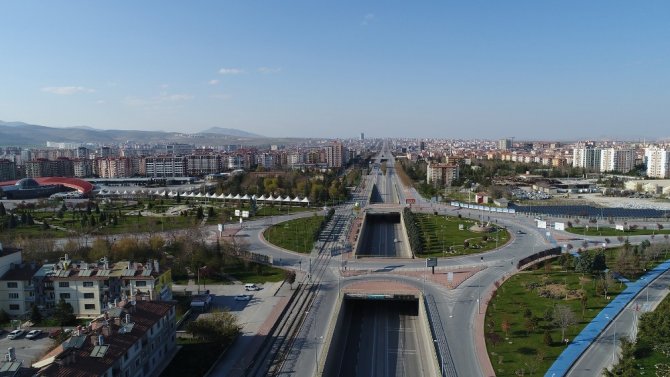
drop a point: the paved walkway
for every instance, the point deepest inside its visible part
(589, 334)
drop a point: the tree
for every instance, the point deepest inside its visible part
(3, 211)
(35, 315)
(548, 341)
(564, 317)
(289, 277)
(506, 326)
(4, 317)
(64, 314)
(221, 327)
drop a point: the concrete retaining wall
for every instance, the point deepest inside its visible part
(361, 234)
(326, 360)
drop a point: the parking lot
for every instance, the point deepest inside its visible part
(251, 314)
(27, 350)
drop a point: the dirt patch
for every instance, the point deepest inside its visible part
(557, 291)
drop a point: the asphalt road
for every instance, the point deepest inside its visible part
(382, 340)
(605, 349)
(381, 238)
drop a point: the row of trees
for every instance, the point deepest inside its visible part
(413, 231)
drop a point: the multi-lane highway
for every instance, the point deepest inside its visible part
(382, 237)
(382, 339)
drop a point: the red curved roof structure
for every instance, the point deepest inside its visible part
(73, 183)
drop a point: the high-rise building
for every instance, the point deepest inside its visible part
(619, 160)
(83, 168)
(441, 175)
(203, 164)
(362, 136)
(165, 166)
(42, 167)
(586, 157)
(658, 162)
(504, 144)
(7, 170)
(336, 155)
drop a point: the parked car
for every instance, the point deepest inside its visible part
(16, 334)
(251, 287)
(34, 334)
(55, 333)
(242, 297)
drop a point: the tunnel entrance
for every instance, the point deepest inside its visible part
(379, 335)
(382, 236)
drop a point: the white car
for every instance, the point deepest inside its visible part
(16, 334)
(33, 334)
(242, 297)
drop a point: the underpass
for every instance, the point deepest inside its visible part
(381, 333)
(383, 235)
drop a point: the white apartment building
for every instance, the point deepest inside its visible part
(165, 166)
(658, 162)
(619, 160)
(586, 157)
(90, 287)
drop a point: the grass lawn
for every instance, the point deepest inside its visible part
(525, 302)
(296, 235)
(607, 231)
(137, 224)
(440, 234)
(193, 359)
(254, 273)
(35, 231)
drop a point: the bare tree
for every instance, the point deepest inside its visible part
(564, 317)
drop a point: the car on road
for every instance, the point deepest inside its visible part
(520, 232)
(251, 287)
(34, 334)
(15, 334)
(242, 297)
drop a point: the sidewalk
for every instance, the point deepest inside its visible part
(590, 333)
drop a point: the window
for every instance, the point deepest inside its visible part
(141, 283)
(14, 307)
(63, 284)
(89, 295)
(14, 296)
(89, 306)
(12, 284)
(88, 284)
(64, 295)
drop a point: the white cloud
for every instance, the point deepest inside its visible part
(368, 19)
(157, 100)
(268, 70)
(231, 71)
(213, 82)
(66, 90)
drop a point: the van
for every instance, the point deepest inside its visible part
(250, 287)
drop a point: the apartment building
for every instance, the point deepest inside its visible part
(116, 167)
(441, 175)
(17, 291)
(42, 167)
(658, 162)
(83, 167)
(586, 157)
(91, 287)
(203, 164)
(165, 166)
(619, 160)
(7, 170)
(336, 155)
(131, 339)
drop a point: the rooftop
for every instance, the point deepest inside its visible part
(94, 349)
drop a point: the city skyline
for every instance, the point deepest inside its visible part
(523, 69)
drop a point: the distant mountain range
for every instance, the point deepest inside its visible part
(24, 134)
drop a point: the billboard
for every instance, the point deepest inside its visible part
(541, 224)
(559, 226)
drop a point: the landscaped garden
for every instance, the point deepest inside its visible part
(296, 235)
(533, 312)
(451, 236)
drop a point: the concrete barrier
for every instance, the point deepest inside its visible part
(427, 337)
(405, 237)
(361, 235)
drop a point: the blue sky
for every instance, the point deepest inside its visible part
(463, 69)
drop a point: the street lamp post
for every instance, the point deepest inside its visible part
(613, 338)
